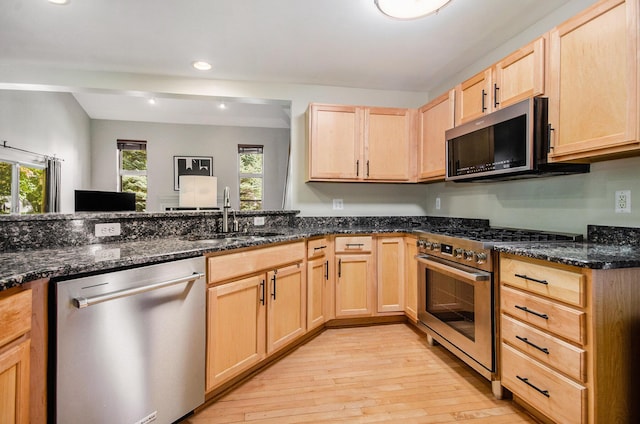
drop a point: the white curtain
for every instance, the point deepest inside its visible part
(53, 185)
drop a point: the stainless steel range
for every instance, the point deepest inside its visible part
(457, 301)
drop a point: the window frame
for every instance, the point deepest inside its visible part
(123, 145)
(16, 164)
(244, 149)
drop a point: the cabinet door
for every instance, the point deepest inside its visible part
(593, 99)
(286, 314)
(519, 75)
(14, 384)
(411, 278)
(472, 97)
(335, 148)
(354, 285)
(317, 282)
(235, 328)
(390, 263)
(388, 144)
(435, 118)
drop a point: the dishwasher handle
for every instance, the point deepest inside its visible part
(83, 302)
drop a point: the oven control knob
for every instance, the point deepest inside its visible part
(426, 244)
(420, 243)
(481, 258)
(468, 255)
(435, 245)
(458, 252)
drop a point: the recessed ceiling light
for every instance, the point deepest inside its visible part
(410, 9)
(201, 66)
(222, 106)
(60, 2)
(152, 101)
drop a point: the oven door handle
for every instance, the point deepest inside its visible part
(458, 271)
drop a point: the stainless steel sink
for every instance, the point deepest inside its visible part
(234, 237)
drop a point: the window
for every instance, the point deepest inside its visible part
(251, 175)
(132, 169)
(22, 187)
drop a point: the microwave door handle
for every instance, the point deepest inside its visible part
(452, 271)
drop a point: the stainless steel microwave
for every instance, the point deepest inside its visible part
(509, 143)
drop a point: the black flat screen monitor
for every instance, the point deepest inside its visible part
(104, 201)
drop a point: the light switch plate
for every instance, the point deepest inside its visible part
(338, 204)
(258, 220)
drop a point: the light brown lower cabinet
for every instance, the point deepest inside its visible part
(355, 271)
(569, 340)
(390, 273)
(319, 281)
(15, 316)
(411, 278)
(252, 316)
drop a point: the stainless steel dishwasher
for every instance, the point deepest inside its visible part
(130, 345)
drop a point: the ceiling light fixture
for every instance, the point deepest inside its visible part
(410, 9)
(201, 65)
(152, 101)
(222, 106)
(59, 2)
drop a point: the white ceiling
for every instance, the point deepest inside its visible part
(325, 42)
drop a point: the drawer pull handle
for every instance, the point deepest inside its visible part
(529, 311)
(357, 245)
(319, 248)
(526, 381)
(525, 340)
(545, 282)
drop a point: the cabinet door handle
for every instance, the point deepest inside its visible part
(273, 293)
(358, 168)
(339, 268)
(484, 94)
(526, 381)
(326, 275)
(319, 248)
(262, 284)
(367, 168)
(525, 340)
(550, 129)
(356, 245)
(535, 280)
(529, 311)
(496, 103)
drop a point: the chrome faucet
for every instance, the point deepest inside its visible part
(226, 205)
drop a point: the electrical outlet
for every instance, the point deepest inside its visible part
(623, 201)
(107, 230)
(258, 220)
(338, 204)
(437, 203)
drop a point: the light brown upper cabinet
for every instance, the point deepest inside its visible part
(355, 143)
(516, 77)
(435, 118)
(593, 83)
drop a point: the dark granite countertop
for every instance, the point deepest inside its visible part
(19, 267)
(584, 255)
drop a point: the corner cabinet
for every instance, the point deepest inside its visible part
(256, 306)
(593, 90)
(356, 143)
(568, 340)
(516, 77)
(435, 118)
(355, 282)
(319, 281)
(390, 273)
(15, 344)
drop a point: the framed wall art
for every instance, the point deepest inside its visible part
(191, 165)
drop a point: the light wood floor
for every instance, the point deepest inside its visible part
(368, 374)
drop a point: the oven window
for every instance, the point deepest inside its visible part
(452, 302)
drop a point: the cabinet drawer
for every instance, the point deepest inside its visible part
(15, 315)
(551, 393)
(317, 248)
(561, 355)
(225, 267)
(565, 286)
(353, 244)
(559, 319)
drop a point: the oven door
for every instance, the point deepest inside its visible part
(456, 302)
